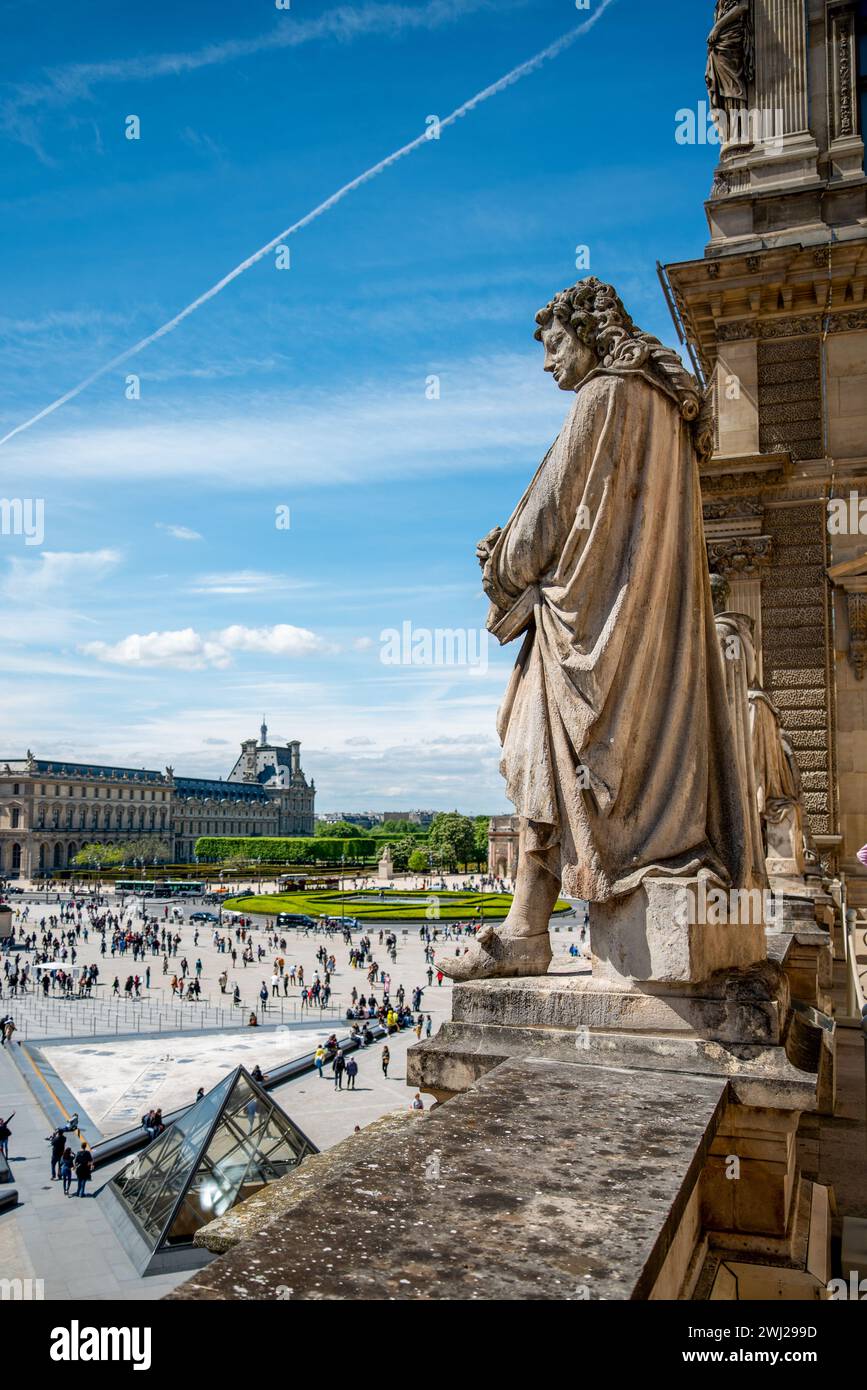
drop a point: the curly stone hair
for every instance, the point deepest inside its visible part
(596, 313)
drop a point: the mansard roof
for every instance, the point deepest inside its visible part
(207, 786)
(64, 769)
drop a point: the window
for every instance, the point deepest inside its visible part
(16, 817)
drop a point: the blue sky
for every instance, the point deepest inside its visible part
(165, 610)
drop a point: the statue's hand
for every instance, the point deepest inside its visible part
(485, 546)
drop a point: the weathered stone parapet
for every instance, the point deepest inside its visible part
(544, 1182)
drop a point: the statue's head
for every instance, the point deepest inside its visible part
(587, 327)
(720, 590)
(569, 328)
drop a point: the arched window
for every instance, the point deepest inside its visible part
(58, 856)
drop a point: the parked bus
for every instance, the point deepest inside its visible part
(160, 888)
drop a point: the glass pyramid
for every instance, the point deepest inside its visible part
(222, 1150)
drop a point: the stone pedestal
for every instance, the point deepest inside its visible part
(681, 986)
(676, 930)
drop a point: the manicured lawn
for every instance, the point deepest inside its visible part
(369, 906)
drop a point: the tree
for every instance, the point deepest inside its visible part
(149, 848)
(419, 861)
(482, 830)
(452, 839)
(400, 853)
(97, 855)
(340, 830)
(398, 827)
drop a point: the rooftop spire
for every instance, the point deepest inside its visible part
(263, 733)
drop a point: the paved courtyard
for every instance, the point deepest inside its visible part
(112, 1060)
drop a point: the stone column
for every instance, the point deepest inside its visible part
(781, 61)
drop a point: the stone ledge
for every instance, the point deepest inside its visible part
(543, 1182)
(759, 1076)
(278, 1198)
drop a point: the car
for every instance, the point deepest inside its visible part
(294, 919)
(204, 917)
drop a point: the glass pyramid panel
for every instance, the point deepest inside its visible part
(225, 1148)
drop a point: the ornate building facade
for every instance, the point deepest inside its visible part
(775, 316)
(49, 809)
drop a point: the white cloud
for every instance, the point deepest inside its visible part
(280, 640)
(189, 650)
(245, 582)
(55, 570)
(180, 533)
(491, 411)
(184, 648)
(363, 644)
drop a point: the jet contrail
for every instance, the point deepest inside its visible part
(515, 75)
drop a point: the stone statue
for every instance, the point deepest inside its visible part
(779, 789)
(735, 632)
(617, 742)
(730, 58)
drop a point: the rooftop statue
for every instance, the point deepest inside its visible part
(730, 57)
(618, 752)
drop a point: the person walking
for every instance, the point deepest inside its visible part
(386, 1058)
(57, 1140)
(338, 1067)
(67, 1163)
(319, 1058)
(83, 1168)
(351, 1073)
(5, 1135)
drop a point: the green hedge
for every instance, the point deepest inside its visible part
(451, 905)
(311, 849)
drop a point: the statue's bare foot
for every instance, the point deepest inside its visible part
(494, 954)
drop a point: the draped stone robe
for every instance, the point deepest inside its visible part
(617, 743)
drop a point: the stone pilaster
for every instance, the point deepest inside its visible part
(781, 61)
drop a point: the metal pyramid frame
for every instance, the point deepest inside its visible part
(223, 1149)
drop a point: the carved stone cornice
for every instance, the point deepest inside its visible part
(745, 557)
(734, 509)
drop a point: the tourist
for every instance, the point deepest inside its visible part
(57, 1140)
(83, 1168)
(252, 1021)
(5, 1135)
(351, 1073)
(8, 1029)
(67, 1162)
(386, 1058)
(418, 1103)
(319, 1059)
(338, 1067)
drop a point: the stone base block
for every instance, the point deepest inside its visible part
(676, 930)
